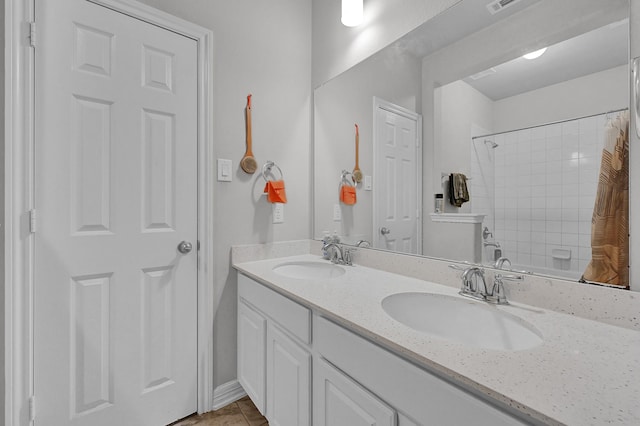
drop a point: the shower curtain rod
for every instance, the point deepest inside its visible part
(550, 123)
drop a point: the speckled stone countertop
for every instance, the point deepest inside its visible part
(584, 373)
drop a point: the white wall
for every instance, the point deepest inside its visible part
(592, 94)
(458, 109)
(337, 48)
(338, 105)
(263, 48)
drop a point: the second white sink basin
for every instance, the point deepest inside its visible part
(309, 270)
(462, 321)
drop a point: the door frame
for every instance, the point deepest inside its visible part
(19, 201)
(379, 103)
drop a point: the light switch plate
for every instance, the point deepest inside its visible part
(278, 213)
(224, 170)
(368, 183)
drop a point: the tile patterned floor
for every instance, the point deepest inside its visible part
(239, 413)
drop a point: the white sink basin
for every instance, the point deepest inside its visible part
(462, 321)
(306, 270)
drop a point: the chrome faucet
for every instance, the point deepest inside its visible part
(497, 292)
(363, 243)
(471, 277)
(487, 244)
(500, 263)
(337, 254)
(475, 286)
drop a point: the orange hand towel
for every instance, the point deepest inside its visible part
(275, 191)
(348, 194)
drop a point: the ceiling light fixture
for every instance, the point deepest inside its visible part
(536, 54)
(352, 12)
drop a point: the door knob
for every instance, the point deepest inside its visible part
(184, 247)
(385, 231)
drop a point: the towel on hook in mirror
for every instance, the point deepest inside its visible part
(458, 192)
(348, 194)
(275, 191)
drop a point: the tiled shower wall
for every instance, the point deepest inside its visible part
(538, 188)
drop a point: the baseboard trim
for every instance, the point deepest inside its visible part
(227, 393)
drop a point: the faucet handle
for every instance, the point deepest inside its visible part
(498, 293)
(347, 254)
(500, 277)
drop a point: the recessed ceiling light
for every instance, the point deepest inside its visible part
(536, 54)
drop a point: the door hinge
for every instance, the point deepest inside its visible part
(32, 408)
(32, 34)
(32, 221)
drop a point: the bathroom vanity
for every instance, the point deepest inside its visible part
(319, 345)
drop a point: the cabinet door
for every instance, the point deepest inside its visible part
(338, 400)
(288, 380)
(252, 330)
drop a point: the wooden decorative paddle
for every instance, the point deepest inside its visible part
(357, 174)
(248, 163)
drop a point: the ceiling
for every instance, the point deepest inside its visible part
(591, 52)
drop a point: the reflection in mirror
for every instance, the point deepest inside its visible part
(463, 76)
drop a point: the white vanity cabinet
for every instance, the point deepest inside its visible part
(252, 339)
(274, 359)
(355, 382)
(288, 380)
(338, 400)
(419, 397)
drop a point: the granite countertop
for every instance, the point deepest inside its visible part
(584, 373)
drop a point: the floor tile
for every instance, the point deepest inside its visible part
(240, 413)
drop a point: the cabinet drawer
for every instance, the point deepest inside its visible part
(411, 390)
(293, 317)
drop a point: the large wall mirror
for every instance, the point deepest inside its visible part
(456, 96)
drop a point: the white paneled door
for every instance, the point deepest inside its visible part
(115, 309)
(396, 193)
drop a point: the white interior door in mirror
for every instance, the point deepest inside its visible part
(396, 196)
(116, 192)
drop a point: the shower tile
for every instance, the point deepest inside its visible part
(553, 202)
(584, 253)
(588, 201)
(538, 247)
(570, 202)
(570, 127)
(570, 240)
(585, 215)
(524, 204)
(524, 241)
(539, 227)
(553, 130)
(538, 157)
(538, 214)
(571, 190)
(554, 214)
(538, 261)
(587, 124)
(572, 227)
(554, 226)
(584, 228)
(539, 191)
(539, 132)
(538, 145)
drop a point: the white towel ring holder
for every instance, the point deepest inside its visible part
(343, 178)
(267, 170)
